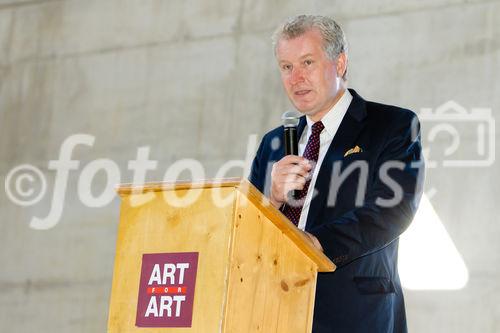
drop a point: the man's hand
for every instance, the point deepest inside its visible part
(289, 173)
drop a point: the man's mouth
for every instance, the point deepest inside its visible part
(302, 92)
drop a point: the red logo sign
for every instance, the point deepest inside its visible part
(166, 290)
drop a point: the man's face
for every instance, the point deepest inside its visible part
(312, 81)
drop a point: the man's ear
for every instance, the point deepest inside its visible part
(341, 64)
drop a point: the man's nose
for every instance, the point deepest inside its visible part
(297, 75)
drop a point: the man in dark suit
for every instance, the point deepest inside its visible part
(358, 179)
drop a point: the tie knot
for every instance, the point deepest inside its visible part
(317, 127)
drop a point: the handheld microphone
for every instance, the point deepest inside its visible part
(290, 121)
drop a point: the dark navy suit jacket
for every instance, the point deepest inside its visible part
(364, 293)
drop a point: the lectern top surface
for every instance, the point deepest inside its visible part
(125, 189)
(254, 195)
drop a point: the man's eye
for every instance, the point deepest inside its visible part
(286, 67)
(308, 62)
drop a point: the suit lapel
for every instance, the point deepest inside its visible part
(301, 126)
(345, 138)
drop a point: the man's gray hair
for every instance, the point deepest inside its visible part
(334, 40)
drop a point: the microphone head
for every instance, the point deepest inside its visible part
(290, 118)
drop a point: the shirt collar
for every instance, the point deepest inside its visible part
(332, 118)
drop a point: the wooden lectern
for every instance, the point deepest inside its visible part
(247, 267)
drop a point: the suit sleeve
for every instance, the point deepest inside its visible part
(255, 176)
(375, 224)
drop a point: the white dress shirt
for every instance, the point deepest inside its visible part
(331, 121)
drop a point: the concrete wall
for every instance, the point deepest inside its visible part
(194, 79)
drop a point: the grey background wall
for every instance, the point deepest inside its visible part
(194, 79)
